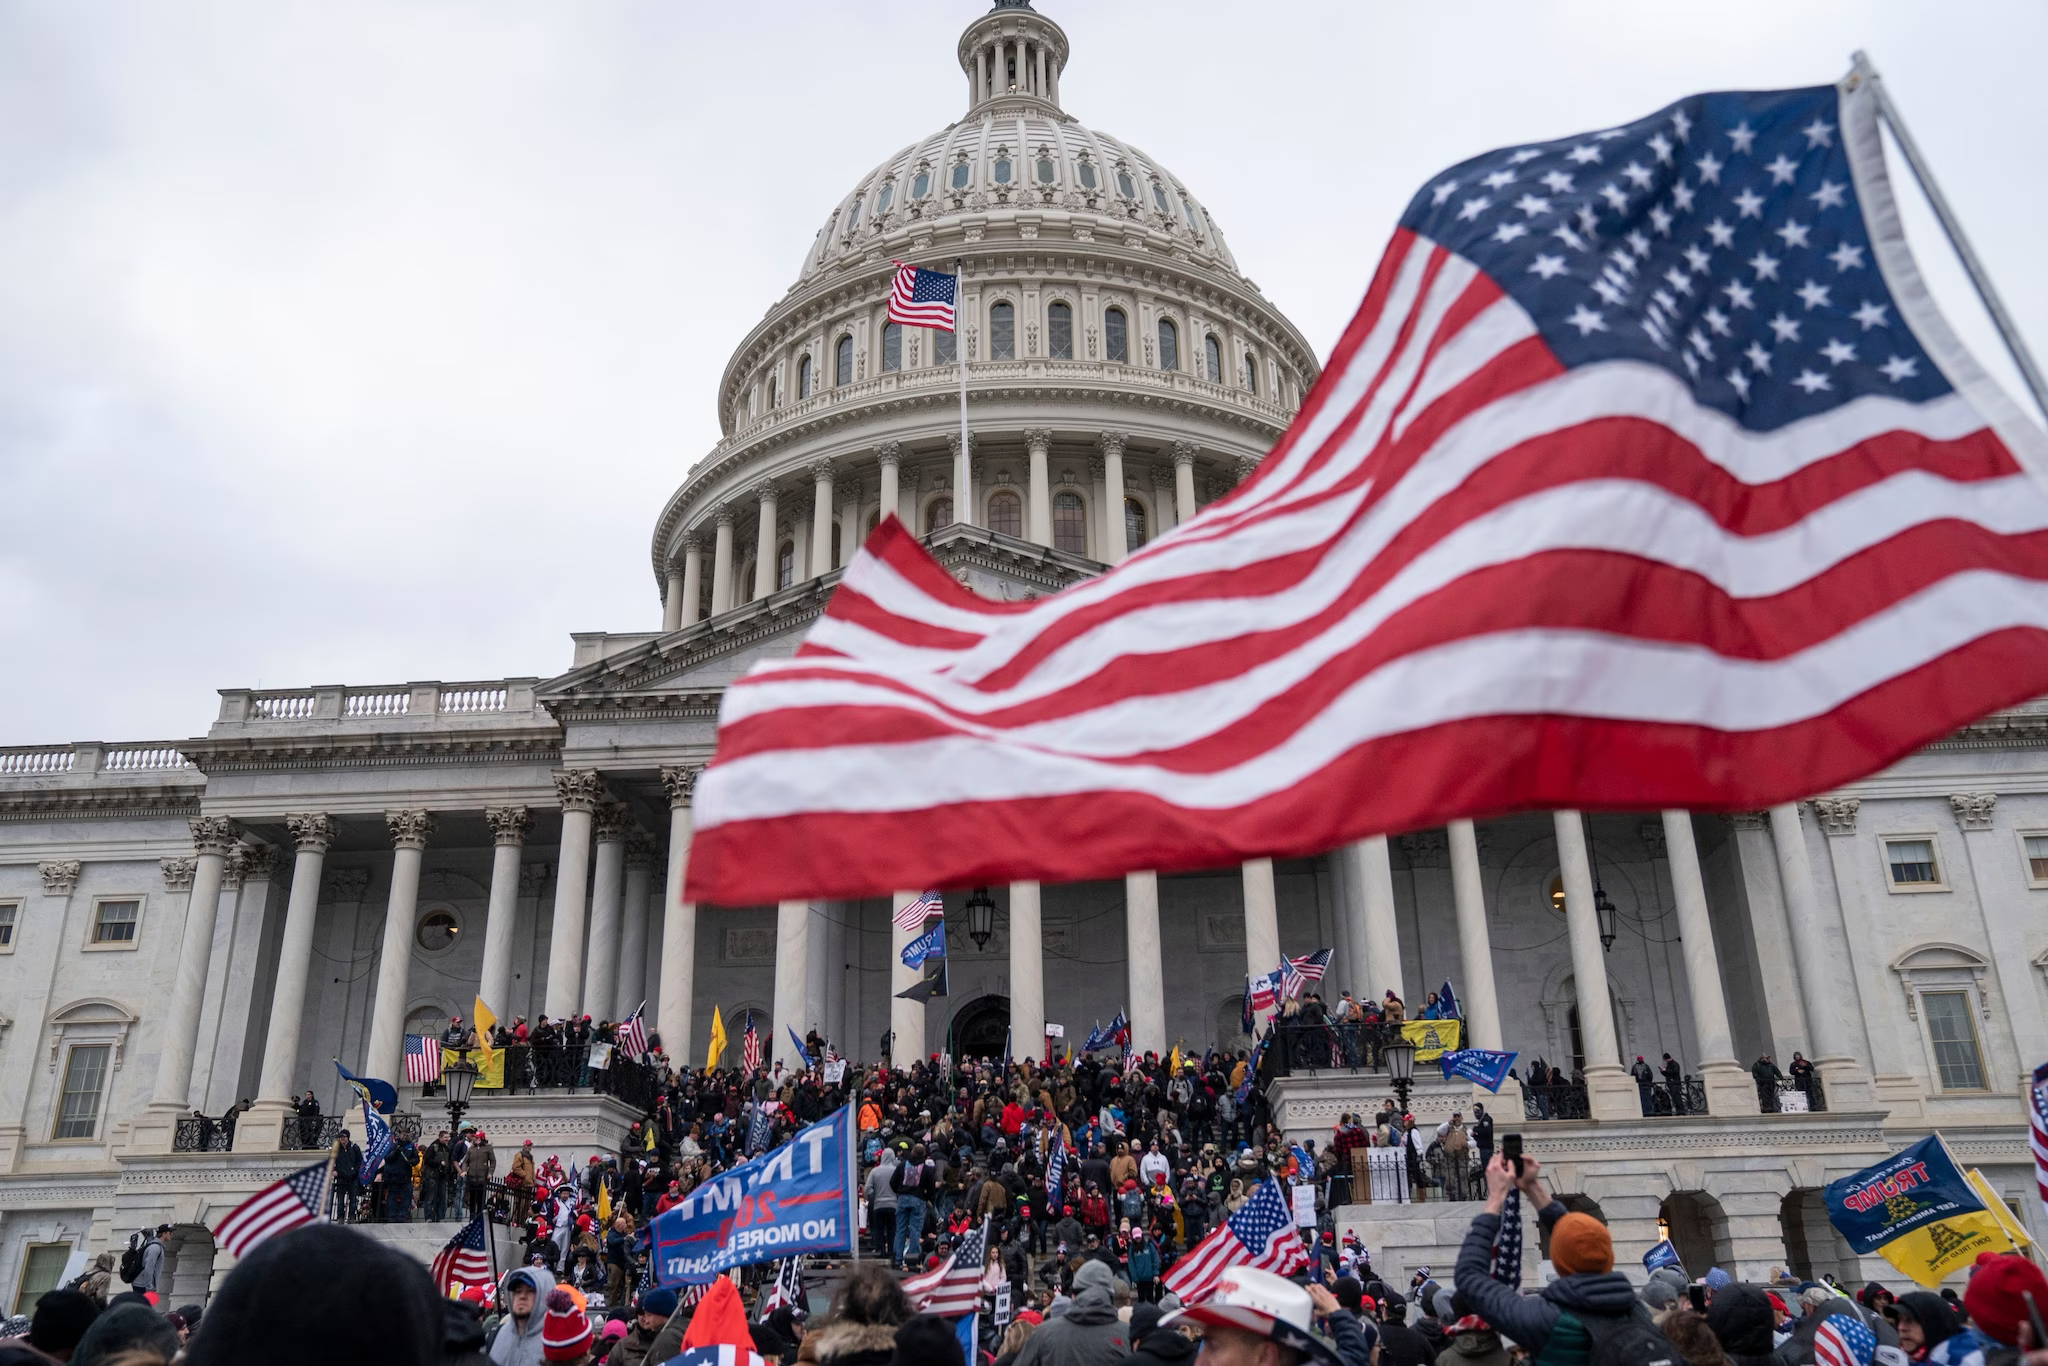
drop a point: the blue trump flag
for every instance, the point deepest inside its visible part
(1447, 1002)
(1482, 1065)
(377, 1144)
(1906, 1191)
(795, 1201)
(931, 944)
(1660, 1256)
(801, 1051)
(381, 1094)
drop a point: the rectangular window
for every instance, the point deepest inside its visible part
(1059, 332)
(945, 348)
(1002, 332)
(2037, 858)
(1911, 862)
(113, 922)
(40, 1269)
(85, 1076)
(1954, 1037)
(10, 914)
(892, 346)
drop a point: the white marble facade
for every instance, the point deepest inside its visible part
(524, 838)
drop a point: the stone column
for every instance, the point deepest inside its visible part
(1729, 1088)
(792, 979)
(889, 456)
(1261, 917)
(1382, 936)
(262, 1127)
(1038, 442)
(1100, 504)
(672, 600)
(631, 990)
(721, 561)
(601, 965)
(1165, 511)
(693, 581)
(1990, 864)
(800, 513)
(849, 520)
(1824, 982)
(821, 517)
(1611, 1093)
(1475, 944)
(1027, 972)
(977, 78)
(509, 826)
(765, 547)
(213, 838)
(679, 922)
(385, 1056)
(1183, 481)
(963, 480)
(1147, 974)
(1115, 546)
(906, 1018)
(579, 790)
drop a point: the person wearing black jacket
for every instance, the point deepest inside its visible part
(915, 1182)
(1482, 1135)
(348, 1186)
(1401, 1345)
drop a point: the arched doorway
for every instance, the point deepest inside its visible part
(980, 1028)
(1697, 1226)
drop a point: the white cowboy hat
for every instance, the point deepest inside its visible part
(1259, 1302)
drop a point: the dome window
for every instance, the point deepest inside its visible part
(1212, 359)
(853, 215)
(774, 393)
(1069, 524)
(1124, 186)
(1045, 171)
(785, 565)
(1251, 373)
(842, 362)
(921, 184)
(883, 196)
(1086, 171)
(803, 378)
(1002, 170)
(892, 347)
(1006, 514)
(1116, 332)
(945, 348)
(1159, 197)
(960, 174)
(1187, 208)
(1059, 332)
(939, 514)
(1134, 523)
(1169, 345)
(1002, 332)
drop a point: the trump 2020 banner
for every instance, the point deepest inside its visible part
(1907, 1191)
(798, 1200)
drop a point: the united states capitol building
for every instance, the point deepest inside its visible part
(187, 922)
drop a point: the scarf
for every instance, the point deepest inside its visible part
(1507, 1244)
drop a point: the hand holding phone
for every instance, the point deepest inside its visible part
(1511, 1149)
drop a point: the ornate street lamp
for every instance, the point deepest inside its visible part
(460, 1078)
(981, 917)
(1605, 910)
(1400, 1060)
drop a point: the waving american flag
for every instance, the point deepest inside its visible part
(1260, 1234)
(954, 1287)
(1648, 475)
(922, 298)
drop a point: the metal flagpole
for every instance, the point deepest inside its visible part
(961, 467)
(1951, 225)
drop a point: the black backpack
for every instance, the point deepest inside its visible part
(131, 1259)
(1630, 1339)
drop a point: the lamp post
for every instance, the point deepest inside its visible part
(981, 917)
(1605, 910)
(460, 1077)
(1400, 1060)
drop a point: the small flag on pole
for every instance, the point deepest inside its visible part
(422, 1058)
(716, 1050)
(796, 1042)
(1261, 1234)
(955, 1287)
(2037, 1125)
(294, 1202)
(1297, 973)
(915, 913)
(750, 1046)
(922, 298)
(465, 1260)
(632, 1037)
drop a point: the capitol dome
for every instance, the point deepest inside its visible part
(1120, 371)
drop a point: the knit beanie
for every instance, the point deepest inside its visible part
(1579, 1243)
(371, 1302)
(61, 1318)
(1993, 1295)
(565, 1332)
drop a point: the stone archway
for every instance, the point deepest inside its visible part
(1698, 1229)
(188, 1266)
(980, 1028)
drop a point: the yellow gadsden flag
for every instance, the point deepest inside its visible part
(1173, 1062)
(717, 1049)
(1432, 1038)
(604, 1205)
(485, 1022)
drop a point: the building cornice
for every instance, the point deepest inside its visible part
(101, 803)
(413, 749)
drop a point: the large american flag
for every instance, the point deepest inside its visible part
(915, 913)
(631, 1038)
(299, 1199)
(1260, 1234)
(466, 1258)
(1647, 476)
(954, 1287)
(2037, 1130)
(922, 298)
(1297, 973)
(750, 1046)
(422, 1058)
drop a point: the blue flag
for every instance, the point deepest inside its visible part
(931, 944)
(759, 1130)
(795, 1201)
(1908, 1190)
(1447, 1002)
(377, 1143)
(801, 1051)
(1482, 1065)
(1661, 1255)
(381, 1094)
(968, 1326)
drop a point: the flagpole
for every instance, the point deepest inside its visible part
(1953, 227)
(962, 470)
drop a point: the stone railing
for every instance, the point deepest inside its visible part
(139, 758)
(36, 760)
(384, 702)
(88, 757)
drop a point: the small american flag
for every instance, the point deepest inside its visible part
(1506, 1266)
(913, 916)
(632, 1034)
(1843, 1340)
(1296, 973)
(750, 1047)
(422, 1058)
(299, 1199)
(465, 1260)
(715, 1354)
(922, 298)
(2037, 1125)
(954, 1288)
(787, 1291)
(1260, 1234)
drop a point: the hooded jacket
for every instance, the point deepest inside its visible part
(514, 1346)
(1481, 1347)
(1089, 1333)
(1529, 1319)
(856, 1344)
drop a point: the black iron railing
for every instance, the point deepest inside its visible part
(1458, 1175)
(1555, 1102)
(1687, 1097)
(1772, 1101)
(1300, 1048)
(204, 1134)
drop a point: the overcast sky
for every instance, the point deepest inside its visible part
(362, 343)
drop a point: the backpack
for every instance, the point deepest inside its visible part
(1630, 1339)
(131, 1259)
(1132, 1204)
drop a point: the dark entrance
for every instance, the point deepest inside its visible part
(980, 1027)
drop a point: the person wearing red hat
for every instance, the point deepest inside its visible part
(565, 1334)
(1999, 1332)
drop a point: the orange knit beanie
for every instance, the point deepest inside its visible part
(1580, 1243)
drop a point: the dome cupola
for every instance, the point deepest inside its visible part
(1013, 56)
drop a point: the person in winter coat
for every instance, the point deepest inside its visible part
(517, 1342)
(1587, 1287)
(1742, 1321)
(656, 1307)
(862, 1330)
(96, 1281)
(1155, 1346)
(1089, 1333)
(479, 1165)
(882, 1203)
(1925, 1322)
(1472, 1341)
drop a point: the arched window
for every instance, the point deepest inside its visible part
(1169, 345)
(1002, 332)
(892, 346)
(1187, 208)
(882, 198)
(1212, 357)
(1159, 197)
(939, 514)
(874, 520)
(1134, 524)
(774, 393)
(960, 174)
(1251, 371)
(785, 565)
(1086, 170)
(837, 558)
(1046, 171)
(1006, 514)
(1069, 524)
(1002, 170)
(842, 361)
(853, 215)
(803, 378)
(1124, 186)
(945, 348)
(921, 184)
(1059, 332)
(1116, 335)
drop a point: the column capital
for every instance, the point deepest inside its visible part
(348, 884)
(724, 514)
(1837, 815)
(259, 861)
(509, 824)
(640, 849)
(680, 782)
(1973, 809)
(1651, 833)
(235, 868)
(1246, 465)
(1112, 443)
(1038, 440)
(1750, 820)
(1098, 468)
(409, 828)
(1427, 849)
(214, 834)
(953, 443)
(60, 876)
(799, 509)
(533, 877)
(822, 469)
(312, 831)
(849, 488)
(690, 543)
(765, 490)
(178, 873)
(612, 821)
(1184, 452)
(579, 789)
(889, 453)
